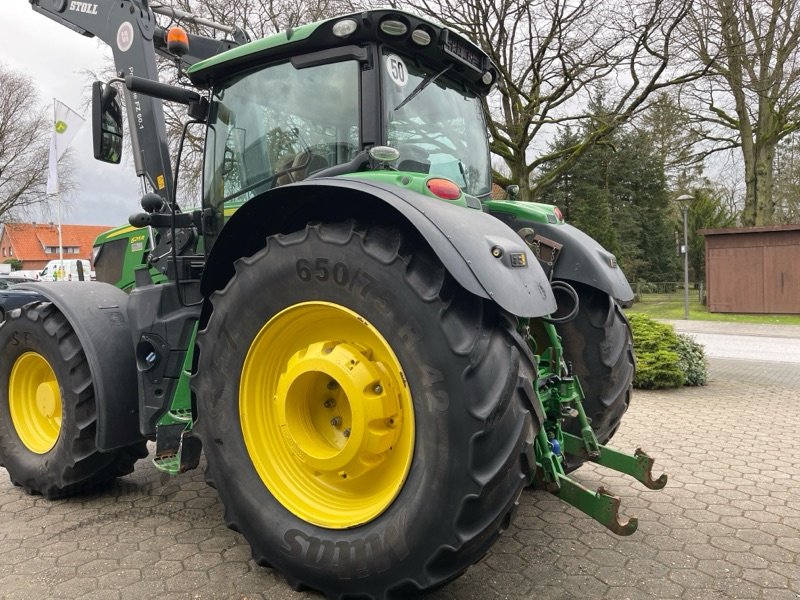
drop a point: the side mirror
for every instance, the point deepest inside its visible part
(106, 123)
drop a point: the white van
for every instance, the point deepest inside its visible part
(70, 271)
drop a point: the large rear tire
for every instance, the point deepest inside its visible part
(599, 344)
(48, 413)
(365, 420)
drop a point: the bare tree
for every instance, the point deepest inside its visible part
(24, 143)
(674, 137)
(551, 55)
(751, 97)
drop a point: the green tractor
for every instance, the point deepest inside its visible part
(374, 358)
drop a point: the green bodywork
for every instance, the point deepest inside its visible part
(411, 181)
(179, 413)
(531, 211)
(130, 244)
(276, 41)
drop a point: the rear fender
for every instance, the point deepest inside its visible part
(581, 259)
(98, 314)
(482, 254)
(584, 260)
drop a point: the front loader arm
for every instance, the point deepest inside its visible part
(130, 30)
(128, 27)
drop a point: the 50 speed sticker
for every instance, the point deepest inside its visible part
(397, 69)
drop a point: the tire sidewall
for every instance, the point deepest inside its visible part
(428, 500)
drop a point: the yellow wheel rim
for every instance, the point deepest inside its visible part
(326, 415)
(34, 401)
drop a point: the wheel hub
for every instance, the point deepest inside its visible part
(46, 397)
(34, 401)
(326, 415)
(322, 425)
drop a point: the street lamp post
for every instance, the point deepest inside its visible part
(684, 201)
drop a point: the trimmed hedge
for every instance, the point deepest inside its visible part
(665, 359)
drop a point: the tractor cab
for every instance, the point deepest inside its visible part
(386, 82)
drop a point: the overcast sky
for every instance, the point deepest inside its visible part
(56, 58)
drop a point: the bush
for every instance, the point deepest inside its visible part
(692, 360)
(665, 359)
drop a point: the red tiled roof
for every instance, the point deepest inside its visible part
(498, 193)
(28, 240)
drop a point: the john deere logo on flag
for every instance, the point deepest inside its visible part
(66, 123)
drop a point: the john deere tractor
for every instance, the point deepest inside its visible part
(374, 358)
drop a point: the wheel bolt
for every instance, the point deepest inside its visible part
(346, 433)
(378, 389)
(330, 403)
(336, 421)
(332, 385)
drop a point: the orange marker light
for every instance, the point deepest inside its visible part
(444, 188)
(177, 41)
(558, 212)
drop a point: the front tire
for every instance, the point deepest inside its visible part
(338, 328)
(48, 413)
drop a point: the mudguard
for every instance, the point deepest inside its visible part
(584, 260)
(483, 255)
(581, 259)
(97, 312)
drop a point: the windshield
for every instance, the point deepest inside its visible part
(278, 125)
(437, 128)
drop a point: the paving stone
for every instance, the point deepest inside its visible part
(726, 526)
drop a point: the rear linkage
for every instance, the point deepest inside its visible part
(560, 398)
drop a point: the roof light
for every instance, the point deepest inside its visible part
(487, 78)
(444, 188)
(177, 41)
(421, 37)
(393, 27)
(384, 153)
(344, 28)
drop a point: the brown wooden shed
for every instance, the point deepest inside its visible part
(753, 269)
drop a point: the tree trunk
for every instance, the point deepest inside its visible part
(748, 217)
(759, 204)
(764, 165)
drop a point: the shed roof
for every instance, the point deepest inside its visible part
(741, 230)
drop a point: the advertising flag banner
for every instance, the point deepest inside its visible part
(66, 123)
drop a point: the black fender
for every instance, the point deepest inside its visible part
(98, 314)
(584, 260)
(581, 259)
(482, 254)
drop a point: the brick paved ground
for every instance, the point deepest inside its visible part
(726, 526)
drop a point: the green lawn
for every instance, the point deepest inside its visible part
(668, 307)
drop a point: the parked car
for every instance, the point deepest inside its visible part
(7, 281)
(11, 296)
